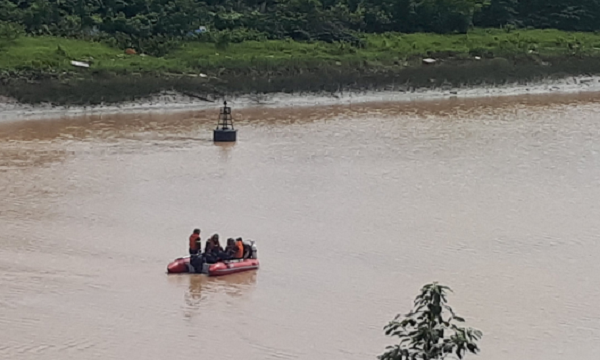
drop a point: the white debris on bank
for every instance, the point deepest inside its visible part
(80, 64)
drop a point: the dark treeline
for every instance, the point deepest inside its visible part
(127, 21)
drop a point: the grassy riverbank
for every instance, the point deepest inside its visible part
(38, 69)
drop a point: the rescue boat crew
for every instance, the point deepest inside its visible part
(195, 242)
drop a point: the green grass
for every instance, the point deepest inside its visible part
(492, 41)
(389, 49)
(54, 54)
(38, 69)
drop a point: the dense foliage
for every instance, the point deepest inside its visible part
(429, 332)
(154, 24)
(292, 18)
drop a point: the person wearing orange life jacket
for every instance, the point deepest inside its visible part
(240, 248)
(195, 242)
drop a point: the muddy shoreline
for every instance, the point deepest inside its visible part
(100, 89)
(172, 101)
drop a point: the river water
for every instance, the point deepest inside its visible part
(353, 208)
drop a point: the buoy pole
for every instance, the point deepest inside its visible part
(225, 132)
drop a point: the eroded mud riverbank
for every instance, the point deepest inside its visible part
(169, 102)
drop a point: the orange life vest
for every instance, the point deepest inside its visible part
(195, 242)
(240, 252)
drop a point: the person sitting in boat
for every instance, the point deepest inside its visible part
(209, 257)
(213, 251)
(216, 245)
(195, 242)
(246, 248)
(231, 250)
(209, 245)
(241, 249)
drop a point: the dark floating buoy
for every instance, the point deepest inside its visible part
(225, 131)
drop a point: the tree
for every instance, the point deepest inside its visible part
(9, 32)
(429, 331)
(498, 13)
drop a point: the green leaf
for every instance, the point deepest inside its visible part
(424, 334)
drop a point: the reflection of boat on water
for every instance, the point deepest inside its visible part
(201, 287)
(235, 284)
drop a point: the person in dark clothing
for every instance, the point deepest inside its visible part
(209, 245)
(208, 256)
(216, 245)
(213, 250)
(217, 249)
(230, 251)
(197, 261)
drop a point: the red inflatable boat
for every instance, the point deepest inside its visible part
(182, 265)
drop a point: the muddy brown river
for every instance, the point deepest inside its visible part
(353, 209)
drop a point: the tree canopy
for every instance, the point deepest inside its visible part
(293, 18)
(134, 22)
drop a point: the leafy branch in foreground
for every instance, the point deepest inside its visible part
(429, 331)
